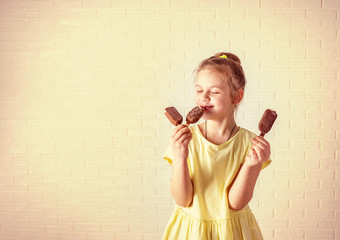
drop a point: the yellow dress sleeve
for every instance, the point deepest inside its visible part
(266, 163)
(168, 155)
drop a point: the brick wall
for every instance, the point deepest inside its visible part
(82, 90)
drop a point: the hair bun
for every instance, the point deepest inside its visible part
(229, 55)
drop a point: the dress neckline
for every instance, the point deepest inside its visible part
(200, 134)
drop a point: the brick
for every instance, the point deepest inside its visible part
(97, 4)
(290, 174)
(329, 114)
(153, 4)
(10, 5)
(130, 236)
(293, 13)
(180, 25)
(276, 24)
(203, 35)
(53, 14)
(64, 4)
(291, 35)
(260, 13)
(306, 24)
(245, 44)
(304, 222)
(307, 44)
(325, 15)
(304, 203)
(72, 235)
(178, 4)
(310, 64)
(244, 24)
(227, 14)
(312, 164)
(166, 13)
(274, 222)
(219, 4)
(203, 15)
(260, 35)
(101, 236)
(144, 228)
(331, 223)
(275, 4)
(292, 194)
(68, 24)
(326, 174)
(276, 44)
(245, 4)
(320, 194)
(97, 23)
(289, 234)
(319, 234)
(39, 4)
(331, 4)
(306, 4)
(329, 184)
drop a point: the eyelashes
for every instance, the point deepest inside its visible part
(212, 92)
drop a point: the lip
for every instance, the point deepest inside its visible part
(206, 107)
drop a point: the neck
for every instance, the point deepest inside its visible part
(221, 128)
(220, 132)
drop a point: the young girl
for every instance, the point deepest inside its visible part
(215, 164)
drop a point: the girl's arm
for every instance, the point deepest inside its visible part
(181, 184)
(241, 191)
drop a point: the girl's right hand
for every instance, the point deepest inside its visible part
(179, 142)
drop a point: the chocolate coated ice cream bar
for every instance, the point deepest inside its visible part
(173, 115)
(194, 115)
(267, 121)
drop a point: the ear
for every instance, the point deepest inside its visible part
(239, 96)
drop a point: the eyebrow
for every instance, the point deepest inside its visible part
(197, 85)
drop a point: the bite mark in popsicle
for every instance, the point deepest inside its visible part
(267, 121)
(194, 115)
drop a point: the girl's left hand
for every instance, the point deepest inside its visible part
(259, 152)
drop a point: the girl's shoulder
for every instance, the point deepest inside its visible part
(247, 133)
(243, 136)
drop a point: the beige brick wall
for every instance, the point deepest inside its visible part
(83, 84)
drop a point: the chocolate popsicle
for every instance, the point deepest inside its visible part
(194, 115)
(267, 121)
(173, 115)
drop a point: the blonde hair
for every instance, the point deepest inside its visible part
(229, 66)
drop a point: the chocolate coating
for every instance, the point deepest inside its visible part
(194, 115)
(267, 121)
(173, 115)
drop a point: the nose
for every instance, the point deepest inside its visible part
(205, 97)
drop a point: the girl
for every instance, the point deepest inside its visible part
(215, 164)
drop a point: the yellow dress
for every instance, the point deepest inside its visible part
(212, 169)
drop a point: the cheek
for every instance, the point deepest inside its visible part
(196, 98)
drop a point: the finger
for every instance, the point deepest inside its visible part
(181, 132)
(259, 153)
(253, 154)
(180, 128)
(261, 144)
(263, 154)
(186, 141)
(261, 140)
(184, 137)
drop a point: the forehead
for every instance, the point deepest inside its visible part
(210, 78)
